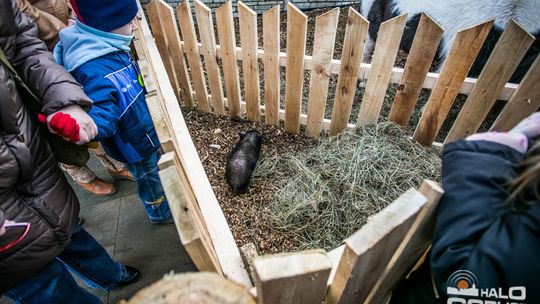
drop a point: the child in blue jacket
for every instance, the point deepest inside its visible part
(96, 52)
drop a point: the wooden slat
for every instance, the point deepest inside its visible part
(414, 244)
(506, 56)
(353, 47)
(154, 15)
(296, 49)
(368, 250)
(323, 49)
(250, 64)
(181, 208)
(464, 50)
(271, 65)
(294, 278)
(185, 20)
(208, 49)
(220, 234)
(225, 25)
(423, 50)
(524, 102)
(386, 49)
(159, 122)
(173, 47)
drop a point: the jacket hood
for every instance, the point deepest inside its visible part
(81, 43)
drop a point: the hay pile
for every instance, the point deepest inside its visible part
(325, 193)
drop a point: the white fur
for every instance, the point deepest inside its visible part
(456, 15)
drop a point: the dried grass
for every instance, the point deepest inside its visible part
(327, 192)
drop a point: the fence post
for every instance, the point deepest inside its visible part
(185, 19)
(271, 65)
(370, 249)
(388, 40)
(296, 50)
(250, 62)
(351, 58)
(323, 50)
(524, 102)
(227, 42)
(423, 50)
(504, 59)
(208, 49)
(460, 59)
(292, 278)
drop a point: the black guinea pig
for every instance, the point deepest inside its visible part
(242, 161)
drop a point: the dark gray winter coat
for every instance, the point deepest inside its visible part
(32, 188)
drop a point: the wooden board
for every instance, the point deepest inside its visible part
(221, 236)
(176, 52)
(296, 49)
(271, 65)
(225, 25)
(250, 63)
(506, 56)
(208, 49)
(388, 40)
(368, 251)
(185, 20)
(181, 208)
(293, 278)
(352, 53)
(323, 49)
(524, 102)
(460, 59)
(424, 47)
(156, 20)
(159, 122)
(413, 246)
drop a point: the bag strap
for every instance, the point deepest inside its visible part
(34, 103)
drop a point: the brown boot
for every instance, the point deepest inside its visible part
(121, 174)
(99, 187)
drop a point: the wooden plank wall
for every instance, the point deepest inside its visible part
(226, 96)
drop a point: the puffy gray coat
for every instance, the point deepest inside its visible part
(32, 188)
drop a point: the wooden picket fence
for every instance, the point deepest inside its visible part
(178, 69)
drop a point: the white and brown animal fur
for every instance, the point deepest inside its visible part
(455, 15)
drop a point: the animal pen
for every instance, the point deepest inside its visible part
(178, 69)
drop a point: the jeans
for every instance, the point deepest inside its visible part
(54, 284)
(150, 190)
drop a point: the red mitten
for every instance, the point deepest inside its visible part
(74, 124)
(66, 126)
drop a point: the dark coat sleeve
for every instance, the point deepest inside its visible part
(37, 67)
(477, 230)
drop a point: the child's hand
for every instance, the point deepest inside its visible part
(529, 127)
(72, 123)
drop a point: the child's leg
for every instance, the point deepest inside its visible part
(150, 189)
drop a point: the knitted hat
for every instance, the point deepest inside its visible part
(105, 15)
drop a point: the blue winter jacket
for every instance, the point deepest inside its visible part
(101, 62)
(495, 244)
